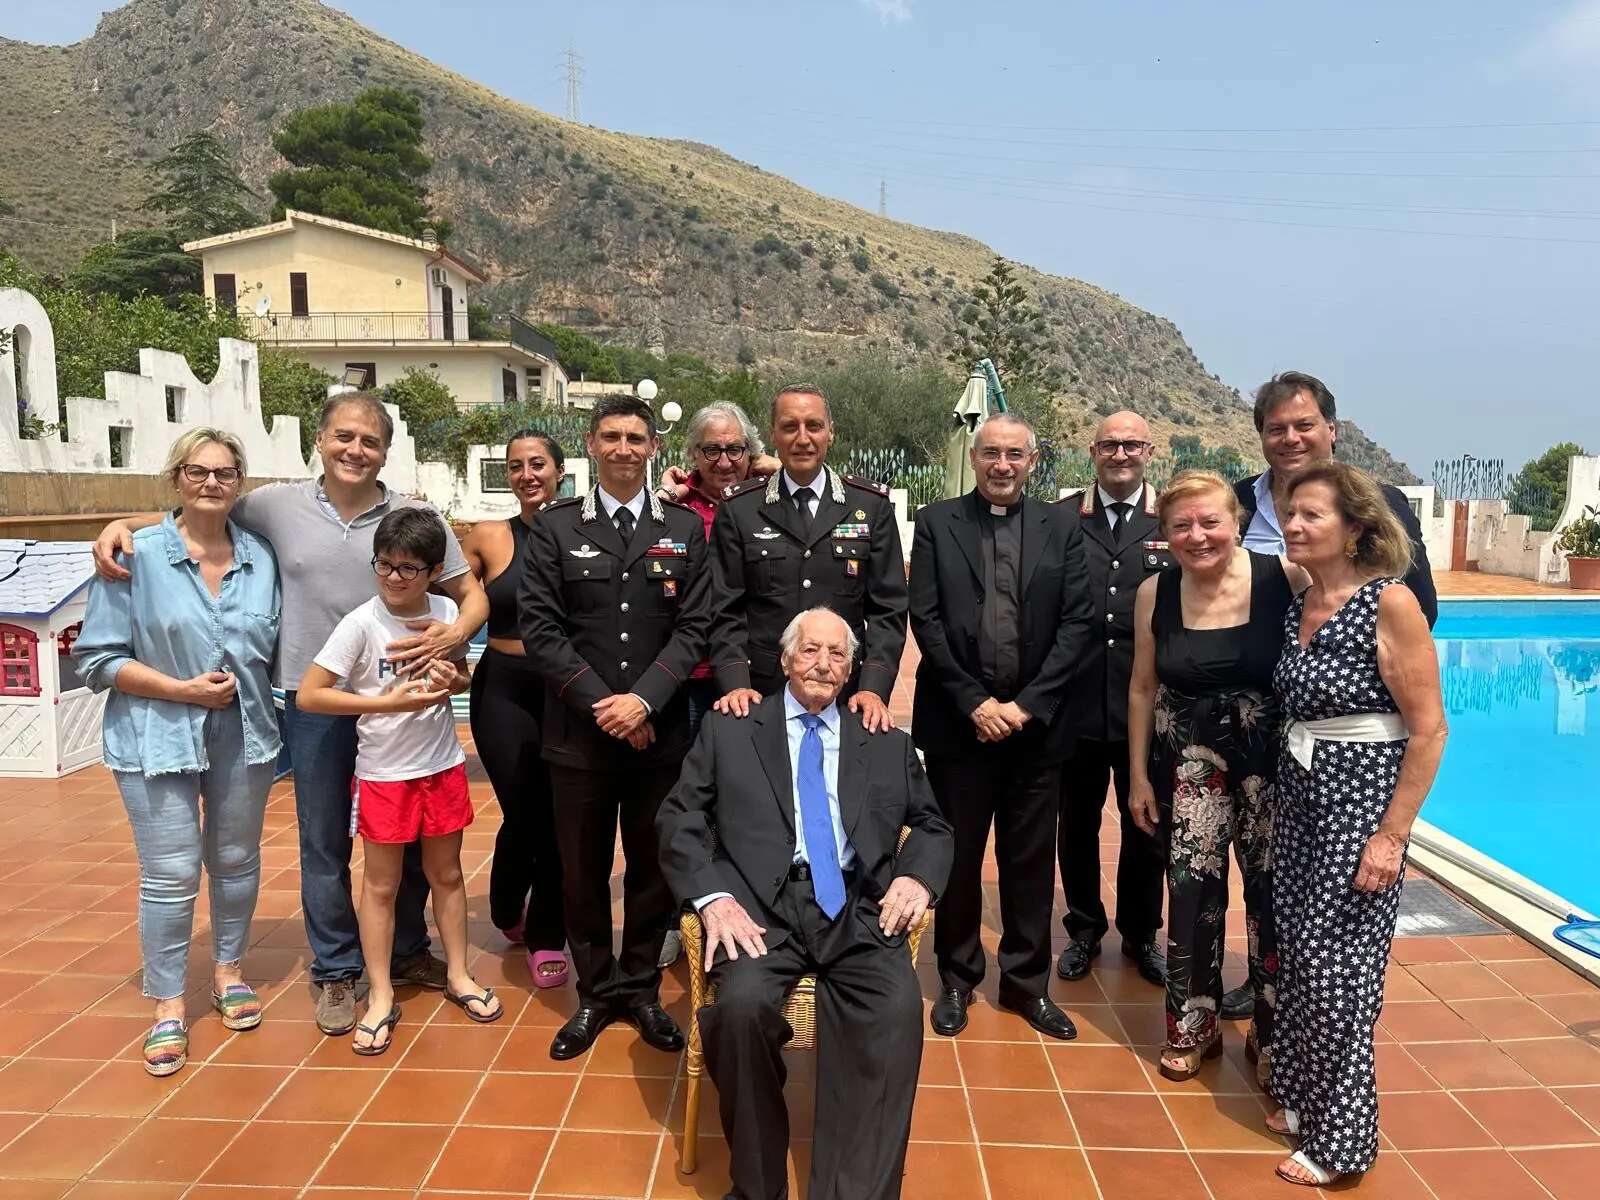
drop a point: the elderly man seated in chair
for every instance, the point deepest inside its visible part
(782, 832)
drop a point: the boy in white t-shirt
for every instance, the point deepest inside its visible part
(411, 775)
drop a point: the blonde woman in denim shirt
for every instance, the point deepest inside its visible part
(190, 731)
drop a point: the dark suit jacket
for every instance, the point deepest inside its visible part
(728, 825)
(1419, 578)
(1117, 566)
(947, 596)
(767, 571)
(598, 618)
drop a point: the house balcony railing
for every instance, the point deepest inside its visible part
(352, 327)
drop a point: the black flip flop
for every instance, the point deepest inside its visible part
(462, 1003)
(372, 1031)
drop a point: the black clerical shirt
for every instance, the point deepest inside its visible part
(999, 632)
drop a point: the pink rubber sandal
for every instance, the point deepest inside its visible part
(551, 979)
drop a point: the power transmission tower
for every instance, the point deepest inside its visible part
(883, 198)
(574, 67)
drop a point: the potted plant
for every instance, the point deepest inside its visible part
(1580, 542)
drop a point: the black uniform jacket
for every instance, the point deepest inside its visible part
(947, 595)
(728, 825)
(1419, 578)
(850, 561)
(1117, 566)
(599, 618)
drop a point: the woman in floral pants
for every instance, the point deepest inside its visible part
(1203, 738)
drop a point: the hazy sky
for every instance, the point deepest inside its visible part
(1403, 199)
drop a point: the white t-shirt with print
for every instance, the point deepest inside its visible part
(392, 746)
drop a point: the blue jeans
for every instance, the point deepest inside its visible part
(322, 750)
(173, 840)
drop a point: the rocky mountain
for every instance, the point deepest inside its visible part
(663, 244)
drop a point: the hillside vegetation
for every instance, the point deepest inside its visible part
(665, 245)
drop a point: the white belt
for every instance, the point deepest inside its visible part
(1303, 736)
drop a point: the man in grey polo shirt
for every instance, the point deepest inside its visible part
(322, 530)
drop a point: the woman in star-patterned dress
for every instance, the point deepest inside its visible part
(1358, 670)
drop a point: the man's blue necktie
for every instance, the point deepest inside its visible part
(827, 880)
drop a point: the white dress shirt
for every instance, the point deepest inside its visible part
(1265, 535)
(817, 486)
(828, 731)
(1107, 500)
(610, 503)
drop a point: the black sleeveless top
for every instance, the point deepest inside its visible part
(502, 589)
(1195, 661)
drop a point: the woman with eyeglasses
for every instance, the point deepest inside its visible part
(191, 737)
(507, 715)
(724, 450)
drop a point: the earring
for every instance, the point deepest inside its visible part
(1349, 547)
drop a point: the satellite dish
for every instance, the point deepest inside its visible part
(263, 305)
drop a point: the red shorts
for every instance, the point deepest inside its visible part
(401, 810)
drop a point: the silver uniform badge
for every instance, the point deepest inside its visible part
(767, 534)
(583, 551)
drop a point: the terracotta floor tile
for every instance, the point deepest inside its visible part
(1585, 1101)
(1566, 1174)
(44, 954)
(1398, 1071)
(492, 1160)
(64, 993)
(1430, 1121)
(12, 1124)
(222, 1091)
(1400, 986)
(1521, 1117)
(940, 1115)
(1097, 1025)
(1470, 1065)
(614, 1104)
(1508, 1017)
(175, 1151)
(517, 1099)
(1460, 981)
(1475, 1175)
(1004, 1064)
(1541, 977)
(1023, 1118)
(939, 1062)
(108, 958)
(1579, 1011)
(942, 1171)
(385, 1156)
(599, 1164)
(96, 927)
(991, 1023)
(1122, 984)
(1426, 1021)
(409, 1097)
(119, 1089)
(1409, 950)
(1222, 1123)
(1498, 947)
(22, 1031)
(527, 1048)
(273, 1044)
(619, 1051)
(1558, 1062)
(63, 1147)
(35, 1084)
(101, 1189)
(1114, 1121)
(1254, 1177)
(1038, 1173)
(1146, 1024)
(449, 1048)
(1081, 1068)
(274, 1154)
(1123, 1175)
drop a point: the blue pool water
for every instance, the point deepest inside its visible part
(1519, 778)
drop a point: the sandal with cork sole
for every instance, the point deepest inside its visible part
(1185, 1064)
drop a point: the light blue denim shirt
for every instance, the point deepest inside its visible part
(166, 619)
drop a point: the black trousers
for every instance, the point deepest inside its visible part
(869, 1051)
(507, 708)
(589, 805)
(1141, 865)
(1002, 786)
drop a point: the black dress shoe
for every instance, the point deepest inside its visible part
(1074, 960)
(655, 1026)
(580, 1031)
(949, 1015)
(1045, 1015)
(1239, 1004)
(1151, 962)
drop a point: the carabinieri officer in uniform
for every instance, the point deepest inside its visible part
(614, 605)
(807, 537)
(1122, 544)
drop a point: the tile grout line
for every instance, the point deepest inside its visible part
(972, 1121)
(1072, 1123)
(561, 1125)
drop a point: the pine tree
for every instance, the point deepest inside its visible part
(202, 197)
(142, 262)
(360, 162)
(1000, 322)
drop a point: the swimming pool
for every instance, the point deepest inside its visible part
(1518, 783)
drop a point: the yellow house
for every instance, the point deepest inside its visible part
(347, 298)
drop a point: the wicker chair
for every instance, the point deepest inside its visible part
(800, 1010)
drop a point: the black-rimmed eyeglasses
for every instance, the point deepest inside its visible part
(406, 571)
(734, 450)
(1133, 449)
